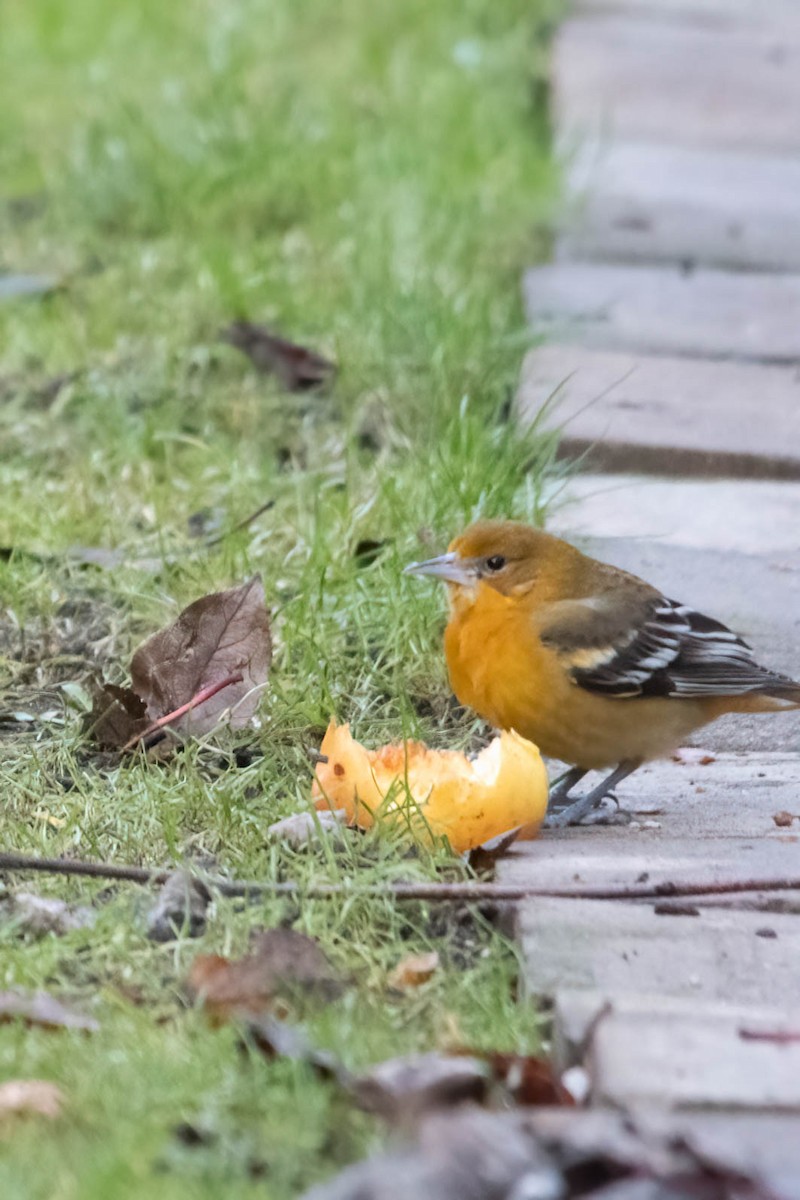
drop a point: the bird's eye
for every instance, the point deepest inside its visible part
(495, 563)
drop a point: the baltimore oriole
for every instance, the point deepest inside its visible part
(591, 663)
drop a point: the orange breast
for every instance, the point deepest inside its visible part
(496, 662)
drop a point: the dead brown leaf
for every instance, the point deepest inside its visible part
(42, 1009)
(117, 716)
(297, 959)
(216, 638)
(30, 1098)
(297, 368)
(281, 961)
(483, 859)
(401, 1090)
(414, 970)
(528, 1079)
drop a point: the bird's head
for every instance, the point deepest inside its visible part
(505, 555)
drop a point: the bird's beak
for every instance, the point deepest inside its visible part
(448, 567)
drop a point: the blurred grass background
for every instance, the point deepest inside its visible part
(366, 179)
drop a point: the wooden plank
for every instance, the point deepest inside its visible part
(783, 14)
(655, 203)
(671, 415)
(667, 311)
(695, 1057)
(668, 82)
(745, 517)
(711, 821)
(615, 949)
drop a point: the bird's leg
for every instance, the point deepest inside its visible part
(574, 813)
(560, 791)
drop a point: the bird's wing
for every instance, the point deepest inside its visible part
(648, 645)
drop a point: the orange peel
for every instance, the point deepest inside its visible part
(436, 793)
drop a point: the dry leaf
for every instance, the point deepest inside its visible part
(281, 961)
(217, 637)
(464, 1155)
(117, 716)
(42, 1009)
(180, 906)
(296, 960)
(305, 828)
(279, 1039)
(297, 368)
(529, 1080)
(401, 1089)
(30, 1097)
(37, 916)
(413, 970)
(483, 859)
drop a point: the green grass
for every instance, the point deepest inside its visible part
(370, 179)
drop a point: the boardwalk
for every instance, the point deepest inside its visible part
(671, 323)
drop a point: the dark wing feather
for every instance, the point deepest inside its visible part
(662, 648)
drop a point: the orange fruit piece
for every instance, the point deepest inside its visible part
(436, 793)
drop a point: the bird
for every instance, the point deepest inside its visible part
(593, 664)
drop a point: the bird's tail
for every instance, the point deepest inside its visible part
(786, 691)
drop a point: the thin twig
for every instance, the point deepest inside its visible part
(204, 694)
(779, 1037)
(10, 861)
(245, 521)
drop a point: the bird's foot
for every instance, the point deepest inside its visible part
(559, 792)
(590, 808)
(576, 814)
(606, 814)
(559, 795)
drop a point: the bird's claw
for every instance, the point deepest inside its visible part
(607, 816)
(600, 813)
(562, 819)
